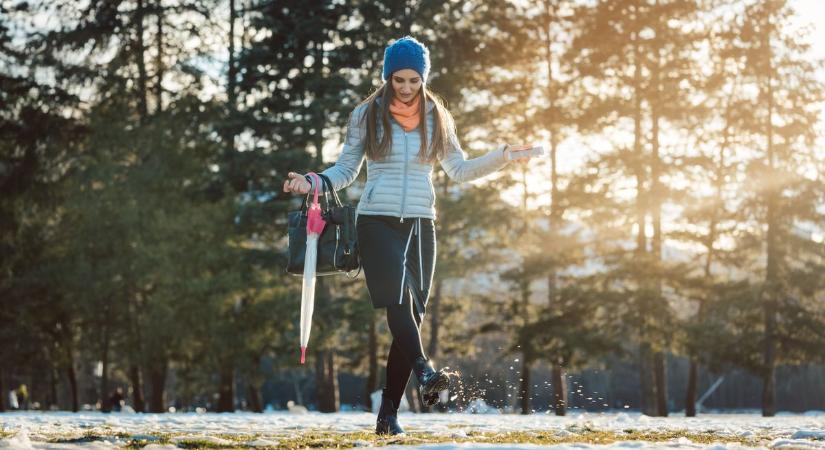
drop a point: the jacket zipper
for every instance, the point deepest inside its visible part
(372, 189)
(404, 189)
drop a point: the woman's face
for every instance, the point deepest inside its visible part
(406, 83)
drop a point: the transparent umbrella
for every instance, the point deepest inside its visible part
(315, 225)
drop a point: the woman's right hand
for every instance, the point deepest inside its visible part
(515, 148)
(296, 183)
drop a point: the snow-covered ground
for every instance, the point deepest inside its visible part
(92, 431)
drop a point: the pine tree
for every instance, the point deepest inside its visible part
(781, 196)
(37, 144)
(709, 218)
(633, 60)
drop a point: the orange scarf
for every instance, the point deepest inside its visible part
(407, 115)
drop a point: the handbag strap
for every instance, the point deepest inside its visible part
(329, 188)
(356, 273)
(315, 198)
(312, 176)
(328, 184)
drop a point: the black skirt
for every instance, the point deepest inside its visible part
(397, 254)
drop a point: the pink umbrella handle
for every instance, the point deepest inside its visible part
(315, 223)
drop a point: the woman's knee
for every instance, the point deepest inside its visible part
(398, 311)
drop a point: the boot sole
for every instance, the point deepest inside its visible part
(388, 432)
(431, 399)
(430, 392)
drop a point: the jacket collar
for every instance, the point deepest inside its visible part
(429, 107)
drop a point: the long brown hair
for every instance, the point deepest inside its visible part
(442, 122)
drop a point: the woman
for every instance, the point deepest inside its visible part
(401, 139)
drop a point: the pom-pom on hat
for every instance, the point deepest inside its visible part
(407, 53)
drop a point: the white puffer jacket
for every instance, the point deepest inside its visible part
(401, 185)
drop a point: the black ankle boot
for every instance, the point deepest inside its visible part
(387, 422)
(430, 381)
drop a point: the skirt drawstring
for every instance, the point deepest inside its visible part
(420, 257)
(404, 267)
(416, 228)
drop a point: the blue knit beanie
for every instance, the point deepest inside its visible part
(407, 53)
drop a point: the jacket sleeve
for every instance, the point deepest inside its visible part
(461, 169)
(349, 162)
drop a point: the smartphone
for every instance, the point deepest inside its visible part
(518, 152)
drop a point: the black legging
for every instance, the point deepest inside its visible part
(406, 346)
(399, 261)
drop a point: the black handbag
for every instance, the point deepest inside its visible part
(338, 243)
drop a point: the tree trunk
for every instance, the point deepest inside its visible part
(253, 398)
(104, 379)
(719, 183)
(134, 298)
(2, 392)
(559, 390)
(647, 380)
(772, 289)
(141, 62)
(232, 72)
(332, 382)
(660, 360)
(413, 399)
(558, 378)
(231, 94)
(646, 374)
(769, 360)
(326, 380)
(157, 380)
(435, 318)
(320, 381)
(53, 377)
(690, 397)
(372, 356)
(639, 172)
(551, 121)
(524, 390)
(296, 386)
(159, 59)
(73, 385)
(434, 305)
(320, 111)
(226, 392)
(137, 389)
(656, 199)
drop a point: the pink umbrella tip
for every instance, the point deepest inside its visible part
(303, 354)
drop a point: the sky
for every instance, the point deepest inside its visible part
(812, 12)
